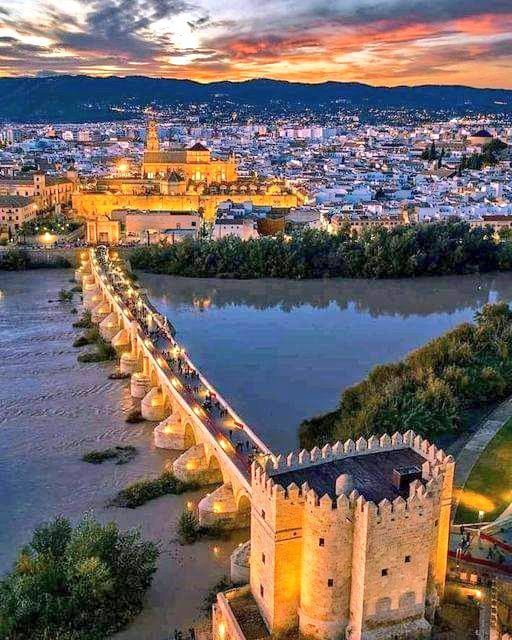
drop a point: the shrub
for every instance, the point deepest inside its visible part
(121, 454)
(14, 260)
(134, 417)
(223, 584)
(82, 583)
(188, 527)
(85, 321)
(65, 296)
(143, 491)
(104, 350)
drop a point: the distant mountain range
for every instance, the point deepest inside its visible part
(63, 98)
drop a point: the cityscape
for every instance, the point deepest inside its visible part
(255, 321)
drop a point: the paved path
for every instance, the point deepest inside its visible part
(474, 448)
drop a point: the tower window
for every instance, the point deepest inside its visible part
(262, 591)
(407, 558)
(321, 542)
(330, 582)
(263, 514)
(263, 558)
(384, 572)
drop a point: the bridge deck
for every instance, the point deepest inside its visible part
(236, 439)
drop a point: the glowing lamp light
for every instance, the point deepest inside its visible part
(190, 505)
(190, 465)
(148, 342)
(217, 507)
(222, 628)
(223, 444)
(215, 550)
(478, 594)
(198, 411)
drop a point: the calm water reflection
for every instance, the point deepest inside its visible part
(281, 351)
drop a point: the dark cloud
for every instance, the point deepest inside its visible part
(118, 34)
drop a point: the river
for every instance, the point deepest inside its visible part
(278, 351)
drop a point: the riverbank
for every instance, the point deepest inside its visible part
(405, 251)
(435, 391)
(52, 411)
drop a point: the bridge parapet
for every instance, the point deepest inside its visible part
(130, 320)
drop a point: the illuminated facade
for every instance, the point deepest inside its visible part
(181, 180)
(194, 164)
(346, 542)
(47, 191)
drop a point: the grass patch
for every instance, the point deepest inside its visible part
(121, 454)
(85, 321)
(488, 487)
(65, 296)
(134, 417)
(104, 350)
(143, 491)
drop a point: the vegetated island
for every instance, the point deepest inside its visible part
(440, 248)
(438, 390)
(76, 583)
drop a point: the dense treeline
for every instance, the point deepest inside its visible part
(404, 251)
(17, 260)
(433, 391)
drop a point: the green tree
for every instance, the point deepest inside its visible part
(82, 583)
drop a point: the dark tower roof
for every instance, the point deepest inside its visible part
(198, 147)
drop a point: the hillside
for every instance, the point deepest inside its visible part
(84, 98)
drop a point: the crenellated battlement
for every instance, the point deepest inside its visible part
(265, 478)
(295, 460)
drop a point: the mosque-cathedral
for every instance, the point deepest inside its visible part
(181, 180)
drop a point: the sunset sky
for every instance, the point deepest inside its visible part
(376, 41)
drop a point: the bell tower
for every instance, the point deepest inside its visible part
(152, 141)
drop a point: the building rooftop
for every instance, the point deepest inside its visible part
(198, 147)
(15, 201)
(371, 472)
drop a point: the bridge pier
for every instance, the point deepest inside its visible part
(99, 312)
(109, 327)
(193, 466)
(92, 299)
(152, 407)
(130, 360)
(219, 509)
(170, 434)
(140, 384)
(121, 342)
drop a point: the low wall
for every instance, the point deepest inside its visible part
(40, 258)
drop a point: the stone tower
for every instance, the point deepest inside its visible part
(152, 141)
(349, 541)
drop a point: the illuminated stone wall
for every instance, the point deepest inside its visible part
(349, 564)
(92, 204)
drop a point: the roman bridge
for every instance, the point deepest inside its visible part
(191, 415)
